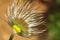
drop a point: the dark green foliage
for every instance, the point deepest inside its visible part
(54, 25)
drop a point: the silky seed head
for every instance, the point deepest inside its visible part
(26, 17)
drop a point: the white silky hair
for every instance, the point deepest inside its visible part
(31, 17)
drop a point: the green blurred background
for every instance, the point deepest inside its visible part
(54, 19)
